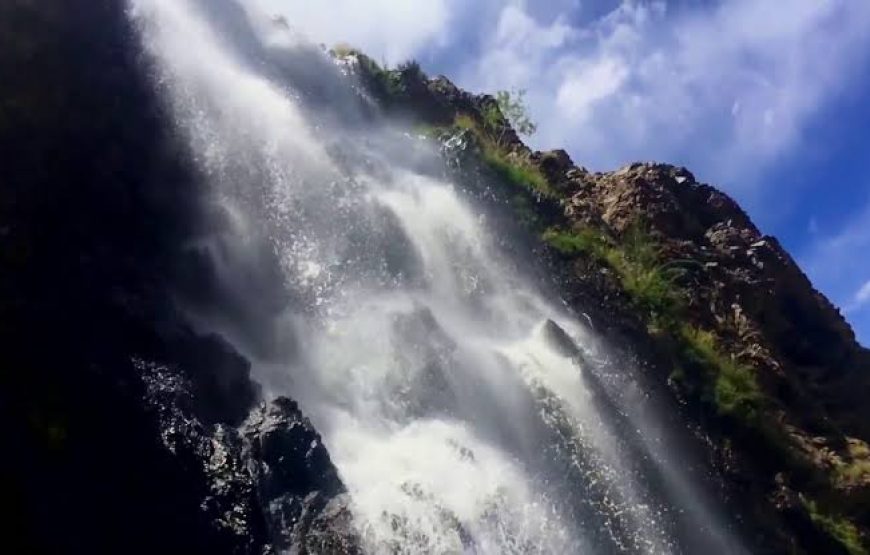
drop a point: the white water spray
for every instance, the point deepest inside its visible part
(424, 359)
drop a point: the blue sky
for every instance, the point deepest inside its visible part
(766, 99)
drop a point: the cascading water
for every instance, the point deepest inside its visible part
(460, 405)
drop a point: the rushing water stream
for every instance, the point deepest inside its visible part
(459, 402)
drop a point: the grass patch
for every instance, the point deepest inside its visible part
(837, 526)
(637, 262)
(857, 470)
(651, 282)
(465, 122)
(585, 241)
(729, 385)
(733, 387)
(427, 130)
(508, 165)
(517, 171)
(388, 84)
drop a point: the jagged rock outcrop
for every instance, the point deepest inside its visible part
(267, 485)
(746, 288)
(306, 506)
(742, 283)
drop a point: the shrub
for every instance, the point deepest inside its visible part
(649, 282)
(512, 106)
(465, 122)
(517, 171)
(733, 386)
(411, 68)
(652, 282)
(652, 285)
(388, 83)
(585, 241)
(508, 165)
(857, 470)
(837, 526)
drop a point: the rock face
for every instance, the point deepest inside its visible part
(304, 500)
(120, 424)
(746, 288)
(267, 485)
(798, 480)
(742, 283)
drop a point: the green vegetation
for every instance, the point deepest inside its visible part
(427, 130)
(573, 242)
(857, 470)
(384, 82)
(653, 285)
(636, 261)
(516, 170)
(395, 82)
(837, 526)
(650, 282)
(377, 75)
(511, 166)
(734, 389)
(513, 106)
(490, 131)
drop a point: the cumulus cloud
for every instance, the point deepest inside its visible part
(589, 84)
(727, 88)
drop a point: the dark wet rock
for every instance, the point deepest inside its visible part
(218, 378)
(303, 499)
(213, 455)
(560, 340)
(268, 486)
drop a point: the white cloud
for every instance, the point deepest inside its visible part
(838, 265)
(727, 88)
(390, 30)
(862, 297)
(515, 53)
(588, 84)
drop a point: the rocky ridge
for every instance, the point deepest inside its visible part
(720, 313)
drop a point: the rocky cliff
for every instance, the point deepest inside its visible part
(124, 430)
(718, 313)
(128, 431)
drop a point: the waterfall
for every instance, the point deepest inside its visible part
(459, 400)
